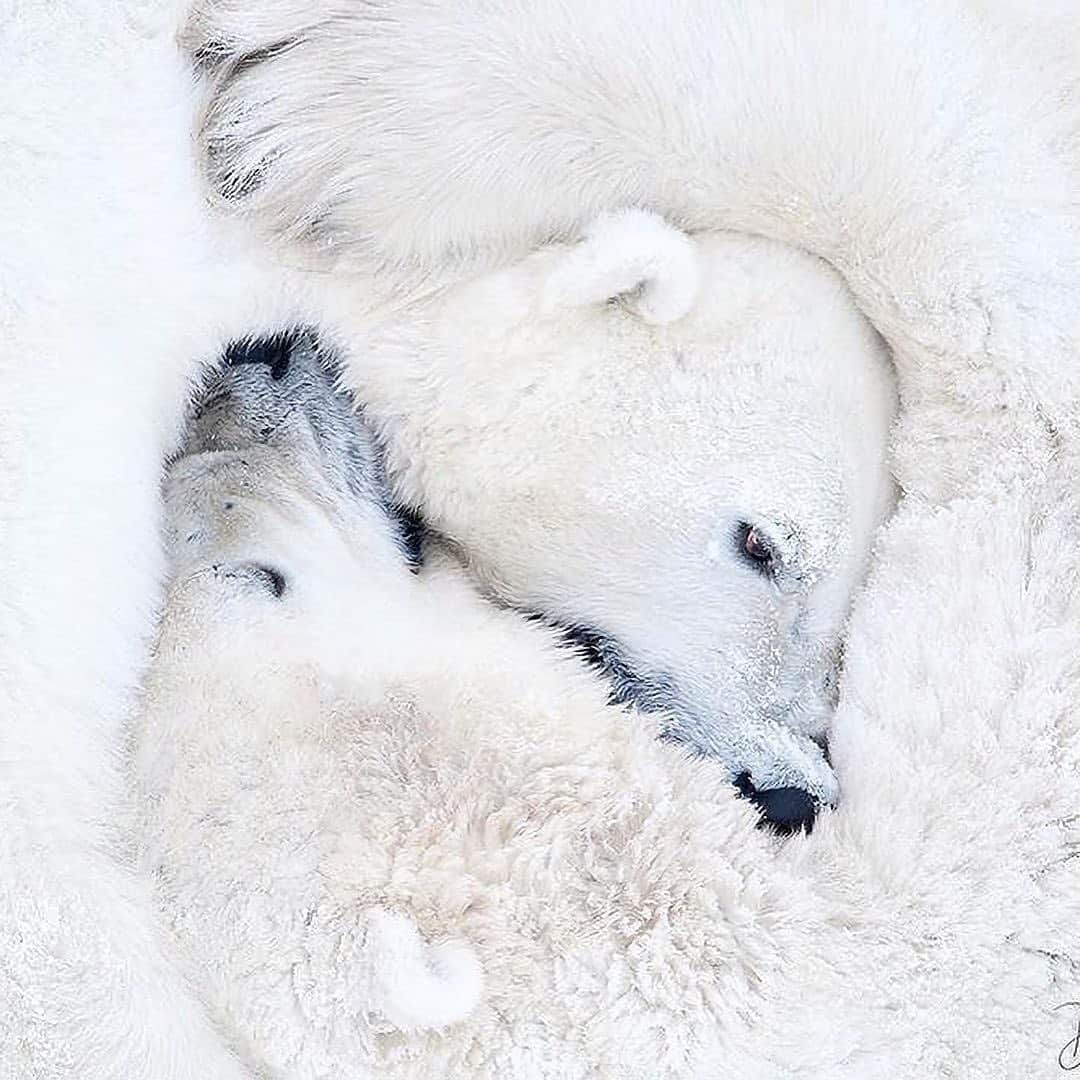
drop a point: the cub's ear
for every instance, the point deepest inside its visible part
(633, 256)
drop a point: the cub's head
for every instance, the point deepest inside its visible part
(285, 543)
(674, 451)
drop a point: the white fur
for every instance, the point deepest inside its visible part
(627, 253)
(890, 139)
(419, 987)
(315, 789)
(113, 287)
(307, 768)
(617, 457)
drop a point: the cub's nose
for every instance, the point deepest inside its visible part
(784, 809)
(275, 351)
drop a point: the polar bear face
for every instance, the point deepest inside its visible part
(276, 500)
(374, 805)
(692, 501)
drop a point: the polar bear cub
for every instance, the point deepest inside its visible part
(674, 449)
(288, 620)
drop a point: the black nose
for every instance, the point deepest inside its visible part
(274, 351)
(784, 809)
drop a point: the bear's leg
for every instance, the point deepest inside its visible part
(424, 139)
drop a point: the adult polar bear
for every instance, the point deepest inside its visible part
(683, 471)
(948, 211)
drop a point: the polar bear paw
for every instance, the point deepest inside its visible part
(417, 986)
(635, 256)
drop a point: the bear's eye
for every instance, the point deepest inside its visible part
(269, 578)
(755, 546)
(256, 575)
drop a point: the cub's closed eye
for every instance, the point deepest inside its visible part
(754, 546)
(260, 576)
(269, 578)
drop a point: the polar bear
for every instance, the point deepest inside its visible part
(422, 139)
(290, 613)
(891, 141)
(397, 831)
(681, 463)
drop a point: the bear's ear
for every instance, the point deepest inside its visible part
(633, 255)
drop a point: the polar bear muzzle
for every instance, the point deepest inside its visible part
(280, 393)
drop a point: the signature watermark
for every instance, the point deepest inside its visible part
(1069, 1054)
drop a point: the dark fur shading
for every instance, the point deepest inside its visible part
(351, 448)
(649, 693)
(273, 350)
(784, 810)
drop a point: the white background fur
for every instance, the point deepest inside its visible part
(111, 290)
(960, 243)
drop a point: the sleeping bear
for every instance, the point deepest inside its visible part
(670, 448)
(398, 830)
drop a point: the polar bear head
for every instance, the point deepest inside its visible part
(275, 501)
(673, 449)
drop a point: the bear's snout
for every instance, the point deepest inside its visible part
(784, 809)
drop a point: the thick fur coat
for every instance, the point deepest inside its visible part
(928, 155)
(648, 399)
(400, 833)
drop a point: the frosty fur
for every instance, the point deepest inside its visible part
(402, 834)
(939, 187)
(647, 396)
